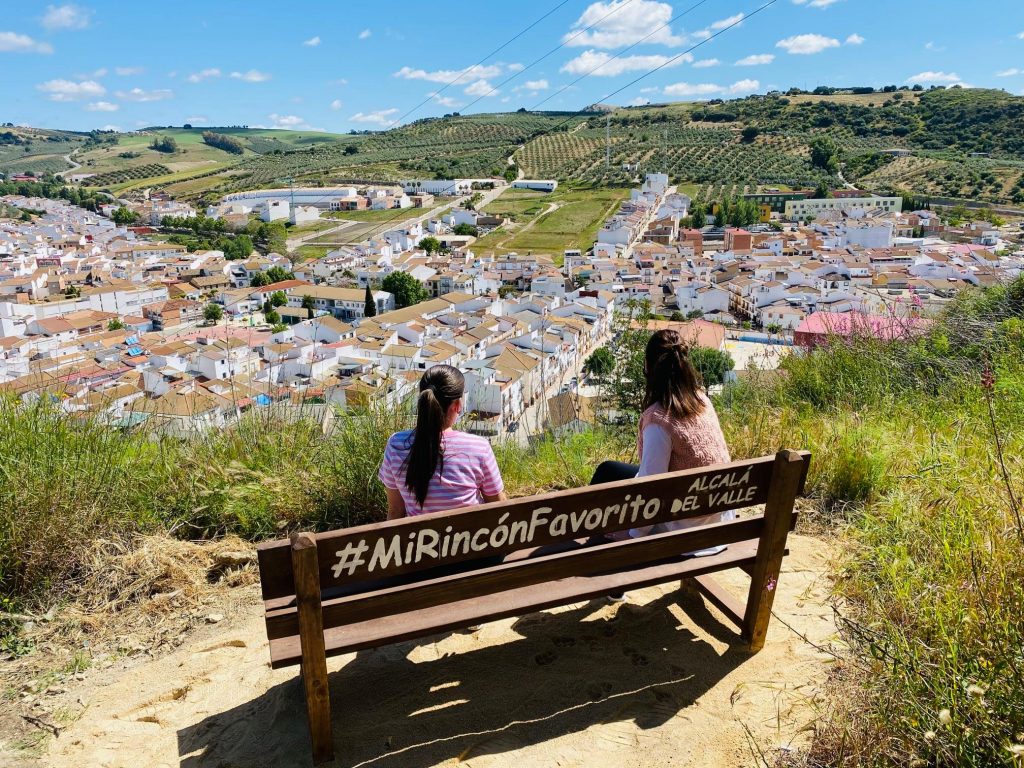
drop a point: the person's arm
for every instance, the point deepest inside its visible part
(396, 504)
(657, 451)
(492, 487)
(656, 456)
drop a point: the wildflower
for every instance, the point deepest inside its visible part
(988, 379)
(929, 735)
(1017, 750)
(976, 691)
(945, 717)
(770, 586)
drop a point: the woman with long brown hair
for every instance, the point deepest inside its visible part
(679, 428)
(433, 467)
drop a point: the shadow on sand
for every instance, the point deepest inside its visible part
(568, 671)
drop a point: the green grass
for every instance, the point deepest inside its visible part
(574, 223)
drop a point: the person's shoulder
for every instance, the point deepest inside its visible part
(654, 414)
(400, 440)
(468, 441)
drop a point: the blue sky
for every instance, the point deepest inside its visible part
(354, 64)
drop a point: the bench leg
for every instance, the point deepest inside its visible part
(311, 639)
(778, 519)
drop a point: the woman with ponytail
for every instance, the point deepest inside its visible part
(679, 428)
(433, 467)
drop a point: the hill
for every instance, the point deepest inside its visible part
(956, 142)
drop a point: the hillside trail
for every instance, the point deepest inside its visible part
(653, 681)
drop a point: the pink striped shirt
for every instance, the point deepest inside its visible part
(468, 473)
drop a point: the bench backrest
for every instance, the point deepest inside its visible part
(370, 552)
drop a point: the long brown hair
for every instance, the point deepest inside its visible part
(440, 386)
(672, 381)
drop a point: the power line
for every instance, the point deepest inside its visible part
(558, 47)
(649, 35)
(672, 60)
(630, 84)
(485, 58)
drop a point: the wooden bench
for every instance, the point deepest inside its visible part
(369, 586)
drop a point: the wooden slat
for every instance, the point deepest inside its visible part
(517, 602)
(311, 642)
(721, 598)
(608, 557)
(679, 495)
(787, 474)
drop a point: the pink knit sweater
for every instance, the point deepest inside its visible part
(697, 441)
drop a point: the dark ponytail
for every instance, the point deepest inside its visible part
(440, 386)
(672, 381)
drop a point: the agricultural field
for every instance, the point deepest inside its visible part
(963, 142)
(550, 223)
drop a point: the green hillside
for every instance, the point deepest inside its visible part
(960, 143)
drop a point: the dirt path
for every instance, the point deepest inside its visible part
(654, 681)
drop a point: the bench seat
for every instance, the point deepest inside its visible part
(286, 651)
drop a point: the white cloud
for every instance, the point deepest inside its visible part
(197, 119)
(336, 104)
(381, 116)
(286, 121)
(446, 101)
(101, 106)
(639, 101)
(128, 71)
(935, 77)
(854, 39)
(816, 3)
(744, 86)
(1011, 72)
(807, 44)
(533, 85)
(12, 42)
(138, 94)
(931, 46)
(1020, 35)
(313, 42)
(365, 34)
(623, 27)
(723, 23)
(203, 74)
(705, 63)
(689, 89)
(601, 64)
(515, 67)
(468, 75)
(66, 17)
(70, 90)
(252, 76)
(756, 59)
(481, 88)
(708, 89)
(109, 127)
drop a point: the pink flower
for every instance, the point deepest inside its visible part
(770, 586)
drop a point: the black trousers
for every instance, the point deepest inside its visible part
(610, 471)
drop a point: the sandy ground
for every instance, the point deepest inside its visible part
(655, 681)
